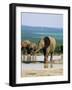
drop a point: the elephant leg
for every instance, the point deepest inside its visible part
(45, 55)
(51, 65)
(29, 57)
(23, 57)
(32, 57)
(35, 57)
(51, 57)
(46, 59)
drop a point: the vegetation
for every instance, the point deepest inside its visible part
(59, 49)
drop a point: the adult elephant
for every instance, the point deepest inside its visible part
(47, 44)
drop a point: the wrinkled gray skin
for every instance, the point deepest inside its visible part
(47, 50)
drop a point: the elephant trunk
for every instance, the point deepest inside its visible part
(37, 50)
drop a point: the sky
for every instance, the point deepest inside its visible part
(42, 20)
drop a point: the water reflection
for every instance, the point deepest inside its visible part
(51, 65)
(40, 66)
(46, 65)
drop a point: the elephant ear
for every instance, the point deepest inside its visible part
(46, 42)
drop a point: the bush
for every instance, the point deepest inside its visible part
(59, 49)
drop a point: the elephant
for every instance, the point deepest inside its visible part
(28, 48)
(33, 48)
(47, 44)
(25, 48)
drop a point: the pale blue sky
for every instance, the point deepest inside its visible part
(42, 20)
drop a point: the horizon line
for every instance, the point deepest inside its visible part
(43, 26)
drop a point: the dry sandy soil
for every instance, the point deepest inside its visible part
(44, 72)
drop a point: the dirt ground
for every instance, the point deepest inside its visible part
(44, 72)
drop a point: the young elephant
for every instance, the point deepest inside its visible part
(47, 44)
(28, 49)
(25, 49)
(33, 48)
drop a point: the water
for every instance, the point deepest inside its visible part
(35, 33)
(39, 66)
(41, 58)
